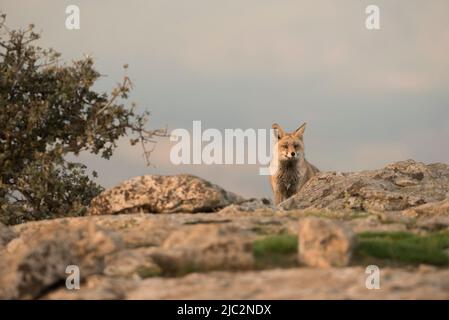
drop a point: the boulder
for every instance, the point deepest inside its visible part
(324, 243)
(205, 247)
(396, 187)
(163, 194)
(37, 261)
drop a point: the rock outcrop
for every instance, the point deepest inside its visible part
(204, 255)
(324, 243)
(299, 283)
(126, 251)
(37, 260)
(432, 209)
(204, 248)
(163, 194)
(398, 186)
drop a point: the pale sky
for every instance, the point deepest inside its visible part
(369, 97)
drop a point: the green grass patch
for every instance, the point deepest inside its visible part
(276, 251)
(382, 248)
(403, 247)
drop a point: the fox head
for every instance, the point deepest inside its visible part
(289, 146)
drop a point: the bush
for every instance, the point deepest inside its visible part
(48, 110)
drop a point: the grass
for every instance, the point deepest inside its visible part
(276, 251)
(403, 248)
(382, 248)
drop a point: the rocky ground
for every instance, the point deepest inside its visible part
(181, 237)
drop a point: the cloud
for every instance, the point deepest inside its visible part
(299, 39)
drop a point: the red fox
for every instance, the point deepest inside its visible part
(290, 168)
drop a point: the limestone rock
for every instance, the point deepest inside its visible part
(295, 283)
(37, 260)
(126, 255)
(94, 288)
(438, 208)
(398, 186)
(163, 194)
(134, 263)
(205, 247)
(373, 224)
(435, 223)
(324, 243)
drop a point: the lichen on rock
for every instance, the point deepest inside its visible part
(396, 187)
(163, 194)
(215, 244)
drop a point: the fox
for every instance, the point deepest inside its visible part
(290, 169)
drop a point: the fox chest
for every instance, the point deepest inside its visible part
(287, 181)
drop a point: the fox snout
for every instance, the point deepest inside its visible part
(289, 152)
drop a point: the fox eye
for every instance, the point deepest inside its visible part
(284, 146)
(296, 145)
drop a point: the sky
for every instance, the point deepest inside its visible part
(369, 97)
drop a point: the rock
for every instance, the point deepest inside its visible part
(163, 194)
(134, 263)
(250, 206)
(205, 247)
(6, 235)
(295, 283)
(94, 288)
(136, 256)
(373, 224)
(140, 231)
(37, 260)
(433, 223)
(324, 243)
(398, 186)
(183, 255)
(438, 208)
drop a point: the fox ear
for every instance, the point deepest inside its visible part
(300, 131)
(279, 133)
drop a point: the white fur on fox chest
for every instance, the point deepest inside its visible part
(289, 179)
